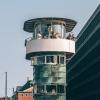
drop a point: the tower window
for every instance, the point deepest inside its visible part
(50, 59)
(41, 60)
(49, 30)
(40, 89)
(60, 89)
(62, 60)
(51, 89)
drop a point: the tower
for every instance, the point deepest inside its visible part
(49, 50)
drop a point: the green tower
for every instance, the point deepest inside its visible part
(49, 50)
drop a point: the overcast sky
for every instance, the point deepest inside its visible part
(13, 13)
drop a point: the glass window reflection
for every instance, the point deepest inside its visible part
(49, 31)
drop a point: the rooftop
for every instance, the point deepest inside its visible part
(30, 24)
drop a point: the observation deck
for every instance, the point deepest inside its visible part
(49, 35)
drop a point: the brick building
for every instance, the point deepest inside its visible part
(24, 92)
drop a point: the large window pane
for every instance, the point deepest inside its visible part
(49, 59)
(41, 60)
(51, 89)
(49, 30)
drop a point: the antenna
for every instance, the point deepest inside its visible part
(5, 85)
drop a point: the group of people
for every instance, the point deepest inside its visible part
(50, 35)
(71, 36)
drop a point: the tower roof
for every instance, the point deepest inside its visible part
(30, 24)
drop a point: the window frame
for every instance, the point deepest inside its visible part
(56, 59)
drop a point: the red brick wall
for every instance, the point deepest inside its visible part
(25, 96)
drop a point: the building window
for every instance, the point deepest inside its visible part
(49, 59)
(38, 60)
(49, 30)
(62, 60)
(60, 89)
(51, 89)
(41, 60)
(40, 89)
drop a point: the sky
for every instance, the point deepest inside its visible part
(13, 13)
